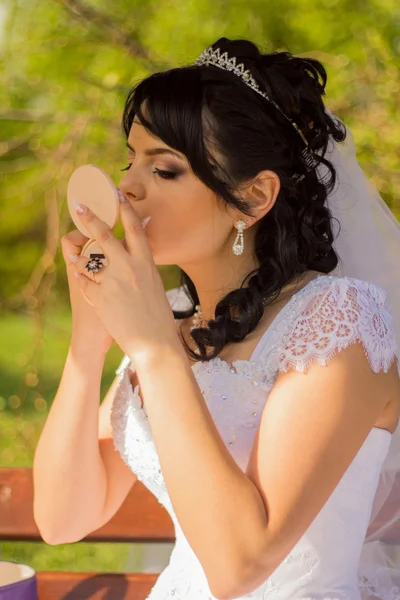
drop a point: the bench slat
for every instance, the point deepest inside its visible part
(141, 517)
(54, 585)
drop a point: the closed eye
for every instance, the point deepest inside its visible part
(165, 174)
(161, 173)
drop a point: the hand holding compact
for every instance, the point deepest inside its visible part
(128, 293)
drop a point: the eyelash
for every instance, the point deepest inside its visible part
(159, 172)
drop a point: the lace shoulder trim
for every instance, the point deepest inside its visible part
(343, 312)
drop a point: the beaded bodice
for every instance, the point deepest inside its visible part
(328, 314)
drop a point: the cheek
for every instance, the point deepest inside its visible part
(181, 207)
(186, 229)
(179, 227)
(188, 221)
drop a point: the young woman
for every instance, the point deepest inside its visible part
(261, 409)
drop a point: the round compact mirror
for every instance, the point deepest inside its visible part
(92, 186)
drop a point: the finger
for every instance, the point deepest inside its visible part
(135, 237)
(99, 230)
(77, 260)
(72, 243)
(87, 286)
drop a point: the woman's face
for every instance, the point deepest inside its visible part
(187, 225)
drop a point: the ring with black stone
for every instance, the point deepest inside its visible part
(94, 265)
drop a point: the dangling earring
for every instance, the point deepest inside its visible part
(238, 247)
(238, 244)
(197, 317)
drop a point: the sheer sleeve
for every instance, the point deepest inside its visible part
(344, 312)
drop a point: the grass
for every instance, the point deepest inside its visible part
(79, 557)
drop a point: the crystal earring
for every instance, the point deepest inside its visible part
(238, 244)
(197, 317)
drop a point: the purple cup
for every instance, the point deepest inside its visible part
(17, 581)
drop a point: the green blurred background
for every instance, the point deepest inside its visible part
(65, 69)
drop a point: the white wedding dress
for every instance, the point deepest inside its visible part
(324, 317)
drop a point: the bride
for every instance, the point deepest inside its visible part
(262, 410)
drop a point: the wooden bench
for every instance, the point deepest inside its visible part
(141, 518)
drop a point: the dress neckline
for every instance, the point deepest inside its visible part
(261, 342)
(243, 363)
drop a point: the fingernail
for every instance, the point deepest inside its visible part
(121, 196)
(81, 209)
(74, 257)
(145, 221)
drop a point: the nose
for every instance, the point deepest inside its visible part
(133, 190)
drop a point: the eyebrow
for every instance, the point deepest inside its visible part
(155, 151)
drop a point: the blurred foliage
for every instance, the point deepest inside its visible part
(65, 69)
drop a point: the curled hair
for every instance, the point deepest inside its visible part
(203, 112)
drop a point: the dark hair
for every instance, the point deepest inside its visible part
(198, 108)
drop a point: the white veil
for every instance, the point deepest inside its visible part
(368, 246)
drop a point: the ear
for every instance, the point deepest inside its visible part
(262, 193)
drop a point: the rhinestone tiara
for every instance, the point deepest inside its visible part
(214, 57)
